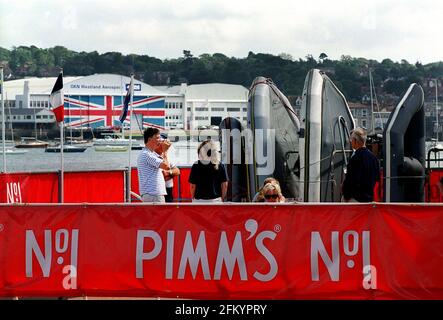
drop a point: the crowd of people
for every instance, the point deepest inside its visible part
(208, 178)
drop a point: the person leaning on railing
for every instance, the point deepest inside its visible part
(259, 195)
(272, 193)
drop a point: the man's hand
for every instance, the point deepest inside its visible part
(167, 175)
(165, 145)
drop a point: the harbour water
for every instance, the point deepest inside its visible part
(37, 160)
(183, 153)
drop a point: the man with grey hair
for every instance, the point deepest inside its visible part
(363, 170)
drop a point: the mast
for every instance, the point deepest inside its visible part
(35, 124)
(70, 119)
(131, 84)
(436, 107)
(372, 102)
(3, 120)
(121, 96)
(10, 119)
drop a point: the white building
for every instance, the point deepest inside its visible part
(206, 105)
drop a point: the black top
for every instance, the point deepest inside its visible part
(207, 180)
(363, 172)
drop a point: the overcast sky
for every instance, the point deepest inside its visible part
(395, 29)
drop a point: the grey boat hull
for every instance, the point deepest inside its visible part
(325, 121)
(272, 139)
(404, 149)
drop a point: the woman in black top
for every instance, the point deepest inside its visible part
(208, 178)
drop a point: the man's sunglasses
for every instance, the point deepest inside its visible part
(271, 196)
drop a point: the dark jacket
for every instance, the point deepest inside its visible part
(362, 173)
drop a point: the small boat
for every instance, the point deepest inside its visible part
(30, 142)
(137, 146)
(11, 151)
(67, 148)
(74, 141)
(109, 148)
(117, 141)
(110, 141)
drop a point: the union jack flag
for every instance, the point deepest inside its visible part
(104, 111)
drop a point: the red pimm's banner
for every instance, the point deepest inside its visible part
(29, 188)
(287, 251)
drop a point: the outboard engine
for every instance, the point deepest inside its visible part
(233, 156)
(404, 149)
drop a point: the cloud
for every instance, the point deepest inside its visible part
(376, 29)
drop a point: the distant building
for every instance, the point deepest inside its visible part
(96, 101)
(362, 115)
(204, 105)
(30, 117)
(93, 101)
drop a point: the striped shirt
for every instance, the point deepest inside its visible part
(150, 177)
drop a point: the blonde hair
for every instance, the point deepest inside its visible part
(208, 146)
(270, 180)
(270, 187)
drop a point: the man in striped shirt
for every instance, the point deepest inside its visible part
(150, 164)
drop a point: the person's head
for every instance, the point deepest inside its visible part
(208, 153)
(358, 138)
(270, 180)
(152, 138)
(272, 192)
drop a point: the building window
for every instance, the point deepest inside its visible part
(201, 118)
(364, 112)
(189, 109)
(28, 117)
(233, 109)
(38, 117)
(363, 123)
(245, 109)
(201, 109)
(20, 104)
(218, 109)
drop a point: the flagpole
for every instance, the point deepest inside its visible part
(61, 164)
(3, 120)
(121, 95)
(131, 84)
(62, 196)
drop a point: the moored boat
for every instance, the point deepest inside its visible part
(30, 142)
(67, 148)
(13, 151)
(110, 148)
